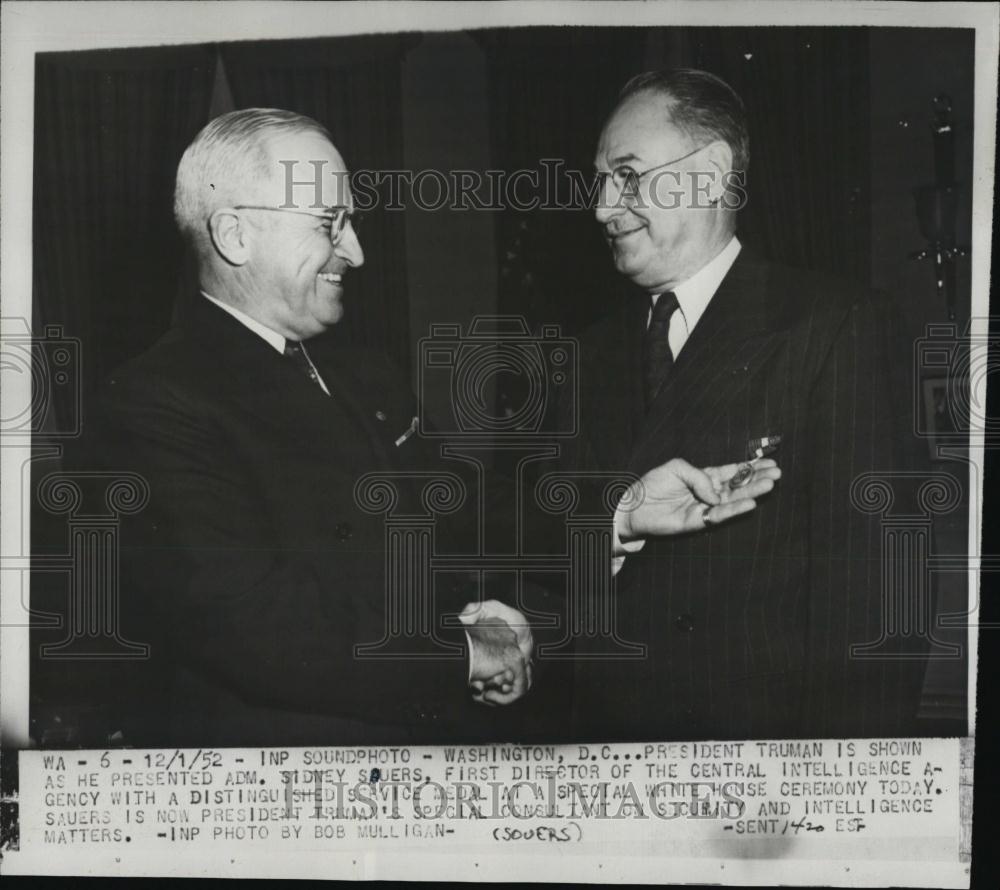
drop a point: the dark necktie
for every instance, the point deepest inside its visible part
(657, 359)
(296, 352)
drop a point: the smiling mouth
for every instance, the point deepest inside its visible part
(611, 236)
(331, 277)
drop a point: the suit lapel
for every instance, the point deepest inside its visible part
(637, 318)
(731, 341)
(360, 403)
(610, 383)
(271, 387)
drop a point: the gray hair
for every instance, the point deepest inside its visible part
(704, 106)
(226, 161)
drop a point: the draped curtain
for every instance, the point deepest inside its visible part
(550, 90)
(807, 99)
(806, 92)
(109, 130)
(110, 127)
(352, 86)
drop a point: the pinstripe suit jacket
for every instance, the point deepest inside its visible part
(747, 626)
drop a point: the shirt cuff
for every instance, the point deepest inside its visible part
(619, 548)
(471, 648)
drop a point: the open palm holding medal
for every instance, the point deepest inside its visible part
(677, 497)
(671, 499)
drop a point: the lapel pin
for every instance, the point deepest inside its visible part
(762, 447)
(409, 432)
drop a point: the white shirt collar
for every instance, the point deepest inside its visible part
(694, 295)
(276, 340)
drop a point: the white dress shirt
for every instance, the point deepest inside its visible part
(272, 338)
(693, 297)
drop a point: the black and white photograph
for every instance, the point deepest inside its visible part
(588, 398)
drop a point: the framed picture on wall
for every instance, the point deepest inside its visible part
(945, 413)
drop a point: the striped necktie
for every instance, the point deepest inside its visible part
(657, 359)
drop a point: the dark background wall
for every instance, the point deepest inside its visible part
(840, 136)
(908, 67)
(839, 122)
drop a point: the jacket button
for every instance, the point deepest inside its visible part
(684, 623)
(344, 531)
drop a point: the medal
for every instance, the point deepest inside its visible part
(744, 473)
(756, 448)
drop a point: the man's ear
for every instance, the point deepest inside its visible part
(229, 237)
(719, 158)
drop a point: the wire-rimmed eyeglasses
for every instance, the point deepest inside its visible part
(337, 217)
(626, 180)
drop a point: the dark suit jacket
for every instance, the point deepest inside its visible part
(253, 571)
(748, 625)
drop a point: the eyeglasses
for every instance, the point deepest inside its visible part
(337, 217)
(627, 180)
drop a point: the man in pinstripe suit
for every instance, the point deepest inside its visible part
(747, 627)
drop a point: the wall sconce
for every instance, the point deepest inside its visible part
(937, 207)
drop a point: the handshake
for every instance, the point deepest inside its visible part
(500, 650)
(674, 498)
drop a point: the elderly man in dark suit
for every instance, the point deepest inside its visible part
(256, 570)
(256, 567)
(720, 356)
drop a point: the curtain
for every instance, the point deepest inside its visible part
(807, 98)
(550, 90)
(352, 86)
(109, 130)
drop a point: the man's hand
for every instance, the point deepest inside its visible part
(676, 497)
(500, 652)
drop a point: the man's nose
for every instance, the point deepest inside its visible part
(348, 248)
(609, 203)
